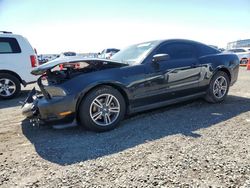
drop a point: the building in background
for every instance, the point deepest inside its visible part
(238, 44)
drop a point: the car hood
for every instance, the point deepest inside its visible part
(51, 64)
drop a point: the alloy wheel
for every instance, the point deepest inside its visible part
(104, 109)
(220, 87)
(7, 87)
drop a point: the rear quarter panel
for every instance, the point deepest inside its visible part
(210, 64)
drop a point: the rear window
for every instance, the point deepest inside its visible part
(9, 45)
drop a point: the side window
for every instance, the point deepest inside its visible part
(178, 50)
(207, 50)
(9, 45)
(5, 47)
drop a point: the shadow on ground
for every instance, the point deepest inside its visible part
(74, 145)
(14, 102)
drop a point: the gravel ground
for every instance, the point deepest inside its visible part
(193, 144)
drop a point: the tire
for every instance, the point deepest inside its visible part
(102, 109)
(217, 93)
(10, 86)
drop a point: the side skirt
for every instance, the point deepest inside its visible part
(165, 103)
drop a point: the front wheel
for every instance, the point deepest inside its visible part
(102, 109)
(218, 87)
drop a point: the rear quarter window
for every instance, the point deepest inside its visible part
(206, 50)
(9, 45)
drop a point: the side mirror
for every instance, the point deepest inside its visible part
(160, 57)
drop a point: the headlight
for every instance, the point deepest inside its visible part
(55, 91)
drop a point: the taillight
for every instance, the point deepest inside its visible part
(33, 61)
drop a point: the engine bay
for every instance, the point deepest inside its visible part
(65, 71)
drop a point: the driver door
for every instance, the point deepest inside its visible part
(173, 78)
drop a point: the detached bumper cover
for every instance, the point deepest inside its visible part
(36, 107)
(29, 107)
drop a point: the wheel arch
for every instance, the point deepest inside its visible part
(13, 74)
(115, 86)
(224, 69)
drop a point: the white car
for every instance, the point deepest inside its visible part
(108, 53)
(17, 59)
(67, 54)
(242, 53)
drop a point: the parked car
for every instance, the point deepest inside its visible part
(42, 60)
(108, 53)
(67, 54)
(243, 54)
(97, 93)
(17, 59)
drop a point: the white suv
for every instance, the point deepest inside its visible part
(17, 59)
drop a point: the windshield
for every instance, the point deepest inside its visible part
(134, 54)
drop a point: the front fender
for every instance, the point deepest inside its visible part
(117, 85)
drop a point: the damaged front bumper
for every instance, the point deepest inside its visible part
(55, 110)
(29, 106)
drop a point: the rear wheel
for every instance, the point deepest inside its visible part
(218, 87)
(10, 86)
(102, 109)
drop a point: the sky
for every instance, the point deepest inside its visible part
(55, 26)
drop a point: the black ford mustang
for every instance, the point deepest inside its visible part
(97, 93)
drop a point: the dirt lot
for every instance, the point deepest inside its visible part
(192, 144)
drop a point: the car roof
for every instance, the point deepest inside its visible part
(160, 41)
(182, 40)
(10, 35)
